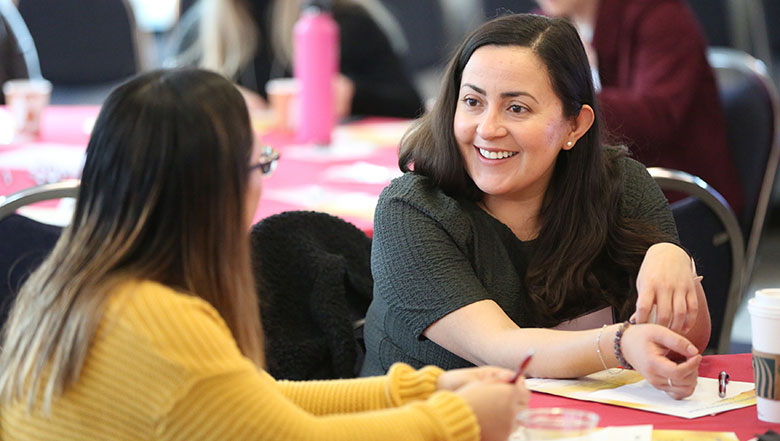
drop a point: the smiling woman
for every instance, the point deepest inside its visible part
(512, 219)
(510, 127)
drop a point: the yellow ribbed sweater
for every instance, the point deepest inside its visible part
(164, 366)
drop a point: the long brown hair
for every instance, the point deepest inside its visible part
(580, 219)
(162, 198)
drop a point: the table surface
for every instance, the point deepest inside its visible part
(344, 179)
(744, 422)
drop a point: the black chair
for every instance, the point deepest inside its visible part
(710, 232)
(18, 57)
(772, 18)
(85, 46)
(314, 286)
(64, 189)
(750, 103)
(427, 35)
(720, 22)
(24, 242)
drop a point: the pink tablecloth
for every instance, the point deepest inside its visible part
(743, 422)
(344, 179)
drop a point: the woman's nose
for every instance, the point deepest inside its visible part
(491, 125)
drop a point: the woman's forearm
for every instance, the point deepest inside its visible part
(484, 335)
(562, 354)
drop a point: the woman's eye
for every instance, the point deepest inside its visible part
(470, 102)
(516, 108)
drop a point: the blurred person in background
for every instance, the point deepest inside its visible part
(143, 322)
(251, 41)
(658, 93)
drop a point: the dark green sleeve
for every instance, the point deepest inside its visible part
(643, 199)
(420, 261)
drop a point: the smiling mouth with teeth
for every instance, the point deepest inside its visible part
(495, 155)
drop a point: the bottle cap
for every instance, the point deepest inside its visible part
(321, 5)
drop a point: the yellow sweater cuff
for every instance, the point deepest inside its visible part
(458, 420)
(407, 385)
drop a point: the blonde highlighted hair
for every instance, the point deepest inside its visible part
(228, 37)
(162, 198)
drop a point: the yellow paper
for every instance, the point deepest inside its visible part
(692, 435)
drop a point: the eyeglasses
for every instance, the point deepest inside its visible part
(267, 162)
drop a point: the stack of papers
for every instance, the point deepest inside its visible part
(628, 389)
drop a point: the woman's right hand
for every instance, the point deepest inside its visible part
(496, 405)
(645, 346)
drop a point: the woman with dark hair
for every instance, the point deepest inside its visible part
(512, 218)
(143, 323)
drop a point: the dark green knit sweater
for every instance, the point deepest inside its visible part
(433, 254)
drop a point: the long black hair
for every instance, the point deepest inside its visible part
(580, 220)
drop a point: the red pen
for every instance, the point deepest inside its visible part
(523, 365)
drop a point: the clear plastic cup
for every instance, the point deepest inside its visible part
(556, 423)
(282, 99)
(26, 99)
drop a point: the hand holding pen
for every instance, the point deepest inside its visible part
(457, 378)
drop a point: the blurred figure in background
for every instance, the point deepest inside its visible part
(250, 41)
(658, 93)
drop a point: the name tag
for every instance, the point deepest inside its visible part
(590, 320)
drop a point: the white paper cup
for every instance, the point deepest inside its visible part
(556, 423)
(764, 311)
(26, 99)
(282, 98)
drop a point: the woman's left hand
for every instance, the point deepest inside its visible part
(457, 378)
(646, 346)
(666, 281)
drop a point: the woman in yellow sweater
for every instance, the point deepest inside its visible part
(143, 322)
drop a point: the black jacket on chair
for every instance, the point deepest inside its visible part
(24, 243)
(314, 282)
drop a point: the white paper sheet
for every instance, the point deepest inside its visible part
(629, 389)
(46, 162)
(612, 433)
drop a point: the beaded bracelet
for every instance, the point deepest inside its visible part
(618, 337)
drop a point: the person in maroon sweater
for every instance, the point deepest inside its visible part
(658, 93)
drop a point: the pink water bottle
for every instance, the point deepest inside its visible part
(315, 64)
